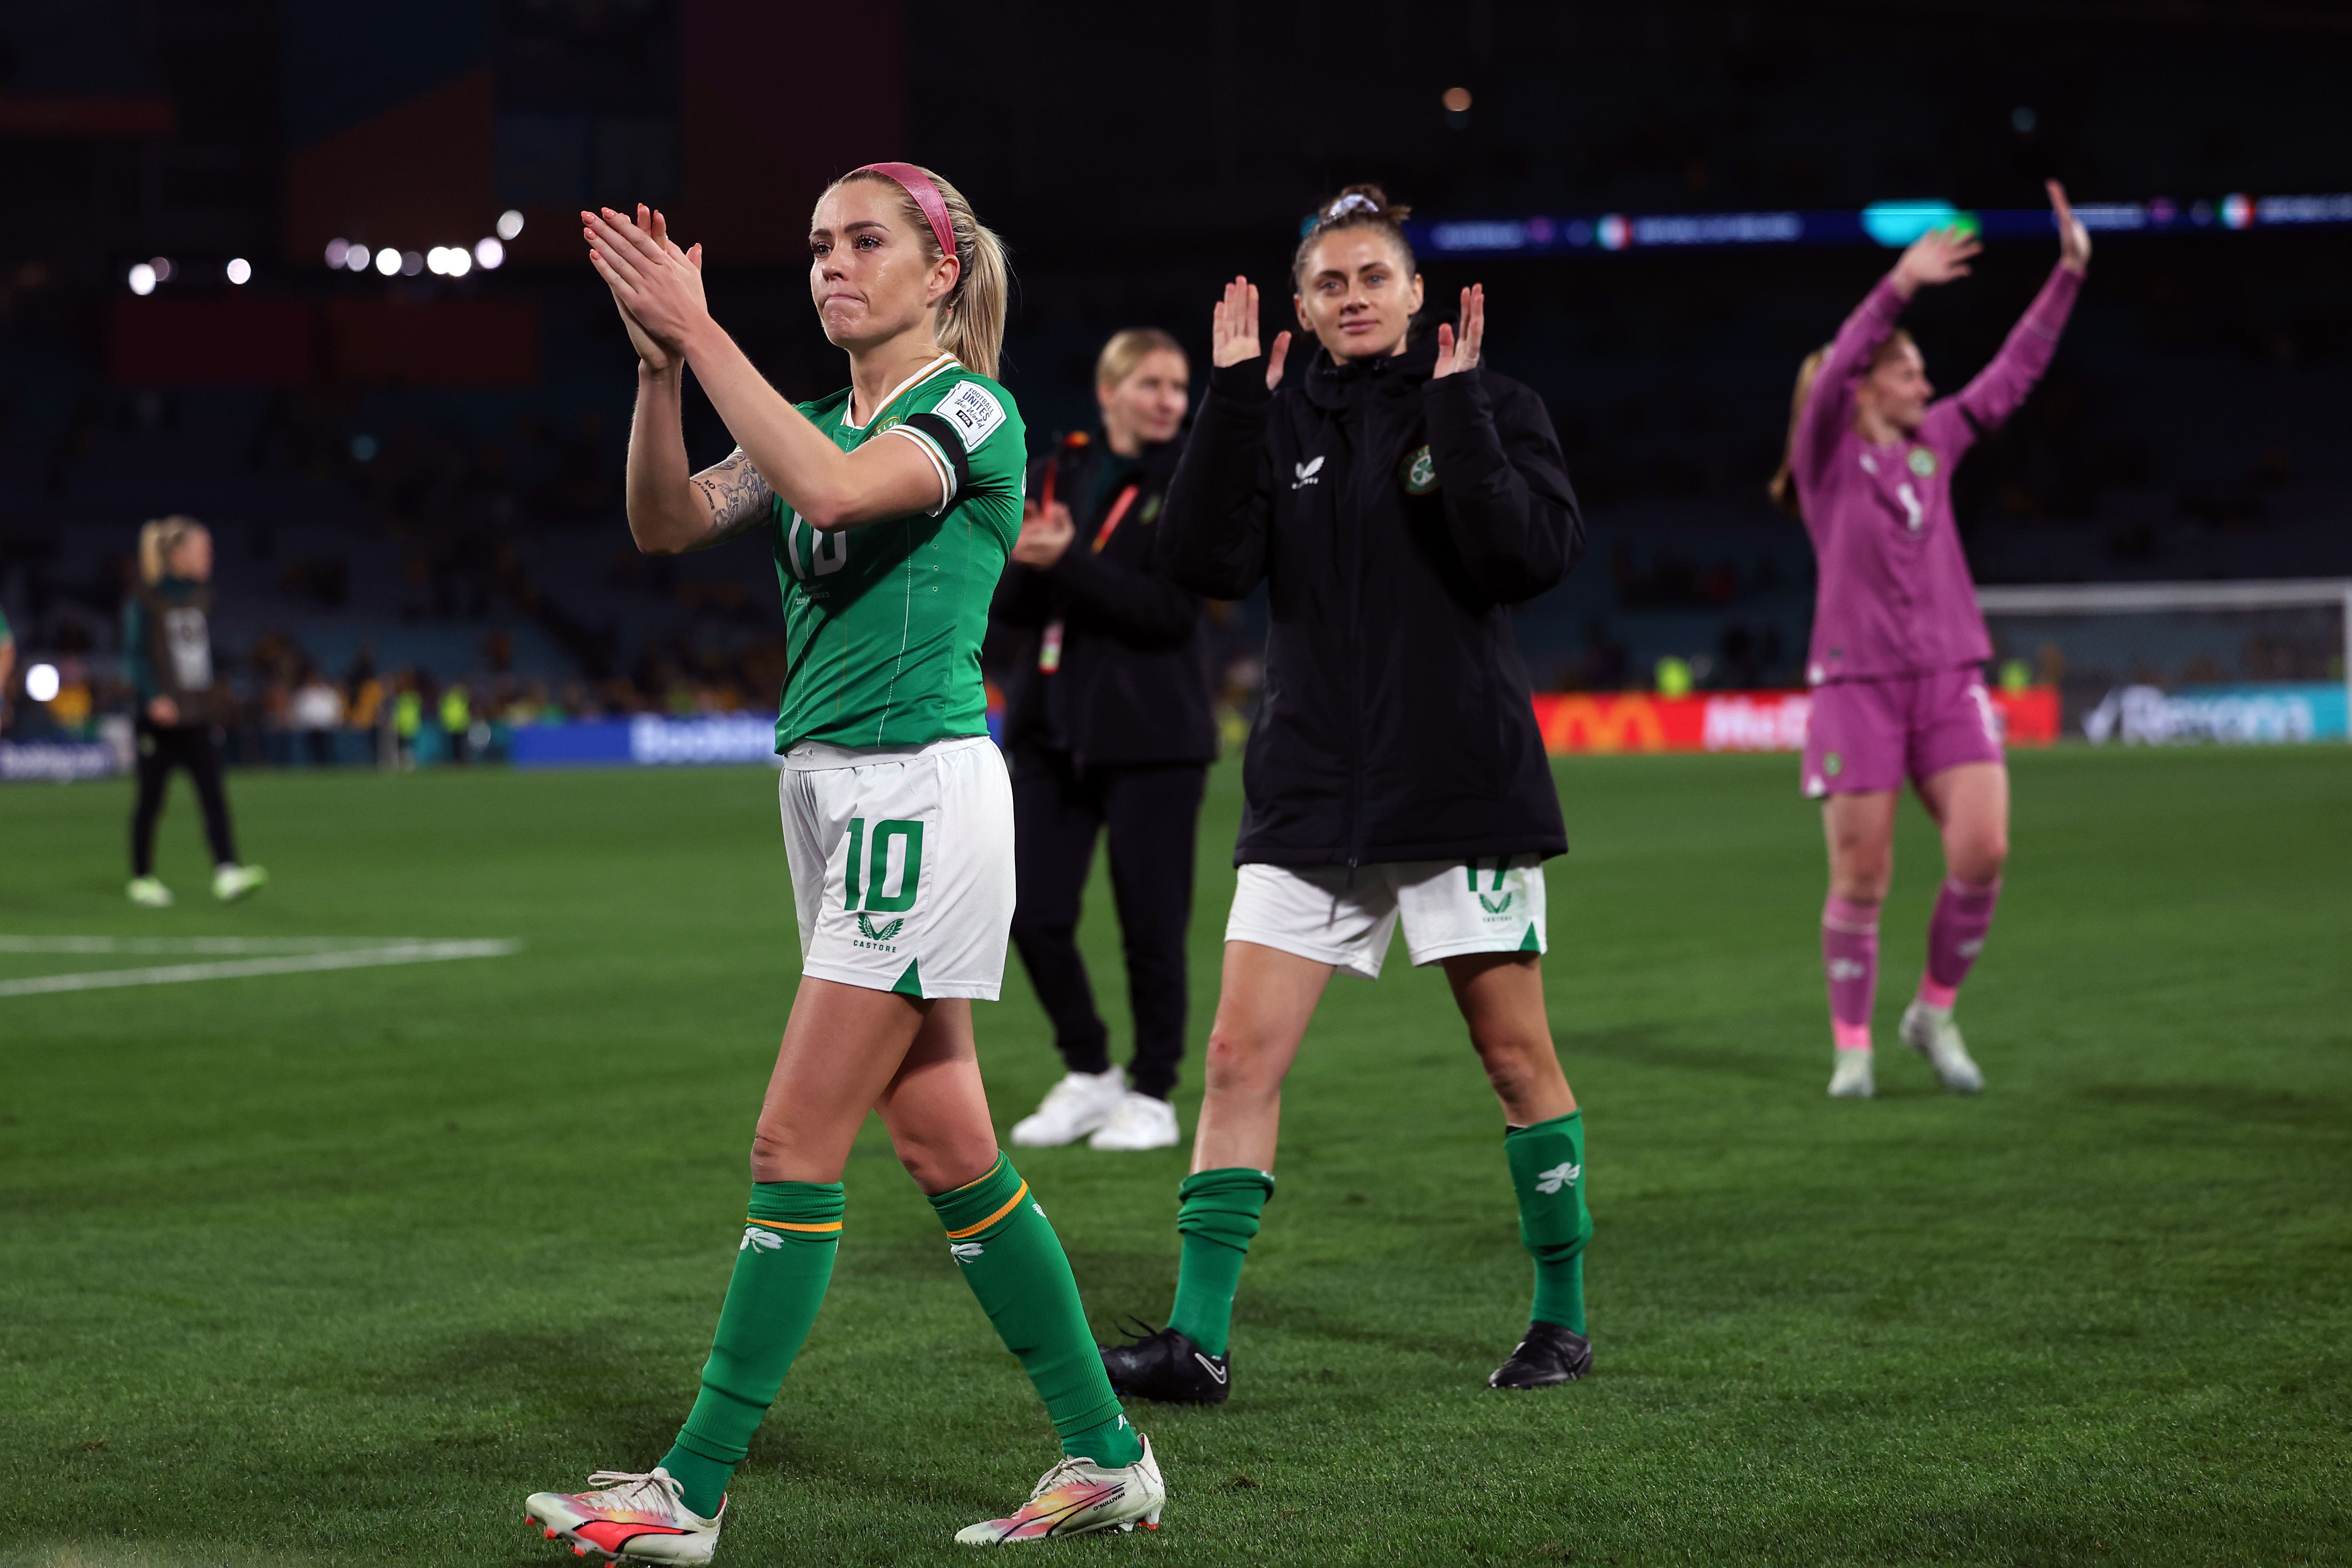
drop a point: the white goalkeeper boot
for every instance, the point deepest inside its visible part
(1850, 1079)
(1929, 1030)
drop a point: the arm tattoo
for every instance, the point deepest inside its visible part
(734, 497)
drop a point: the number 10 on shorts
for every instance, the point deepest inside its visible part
(866, 876)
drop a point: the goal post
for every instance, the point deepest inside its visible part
(2158, 663)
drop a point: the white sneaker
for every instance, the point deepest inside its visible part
(1137, 1122)
(1078, 1496)
(628, 1518)
(149, 891)
(1850, 1079)
(233, 882)
(1930, 1031)
(1073, 1108)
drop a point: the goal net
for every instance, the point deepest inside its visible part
(2177, 663)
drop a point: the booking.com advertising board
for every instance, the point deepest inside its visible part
(1580, 722)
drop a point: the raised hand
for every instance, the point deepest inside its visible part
(657, 286)
(1459, 351)
(1233, 325)
(1936, 257)
(2073, 239)
(656, 357)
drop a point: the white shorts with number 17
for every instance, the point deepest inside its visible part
(1446, 906)
(902, 865)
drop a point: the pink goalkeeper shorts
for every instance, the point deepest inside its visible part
(1873, 734)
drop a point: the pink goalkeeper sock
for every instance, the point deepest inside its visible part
(1954, 936)
(1849, 957)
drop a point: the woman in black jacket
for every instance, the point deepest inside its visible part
(1395, 503)
(1108, 725)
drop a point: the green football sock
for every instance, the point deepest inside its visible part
(1014, 1264)
(781, 1267)
(1546, 1162)
(1217, 1211)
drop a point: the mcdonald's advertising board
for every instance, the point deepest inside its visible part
(1580, 722)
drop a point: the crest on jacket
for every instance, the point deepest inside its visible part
(1418, 471)
(1307, 473)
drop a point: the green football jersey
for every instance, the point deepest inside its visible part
(884, 621)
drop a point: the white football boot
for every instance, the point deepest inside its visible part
(628, 1518)
(1078, 1495)
(1073, 1108)
(151, 892)
(1930, 1031)
(233, 882)
(1138, 1121)
(1850, 1080)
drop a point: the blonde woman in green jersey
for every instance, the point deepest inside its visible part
(898, 818)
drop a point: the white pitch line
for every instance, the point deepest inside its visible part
(210, 944)
(177, 973)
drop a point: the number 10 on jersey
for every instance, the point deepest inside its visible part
(813, 551)
(866, 873)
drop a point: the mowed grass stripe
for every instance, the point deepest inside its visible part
(332, 1269)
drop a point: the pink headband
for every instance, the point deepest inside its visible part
(919, 186)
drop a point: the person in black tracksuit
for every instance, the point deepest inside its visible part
(1395, 501)
(1108, 725)
(167, 644)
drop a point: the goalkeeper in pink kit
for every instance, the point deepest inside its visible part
(1898, 645)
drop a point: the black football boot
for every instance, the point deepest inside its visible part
(1549, 1354)
(1166, 1365)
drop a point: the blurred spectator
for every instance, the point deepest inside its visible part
(316, 711)
(457, 720)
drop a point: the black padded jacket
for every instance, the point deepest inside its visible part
(1394, 518)
(1133, 683)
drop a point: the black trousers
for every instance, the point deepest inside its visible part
(1153, 814)
(163, 747)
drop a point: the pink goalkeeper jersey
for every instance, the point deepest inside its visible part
(1895, 594)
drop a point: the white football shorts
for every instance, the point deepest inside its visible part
(1491, 905)
(902, 865)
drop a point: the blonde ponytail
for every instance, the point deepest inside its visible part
(972, 318)
(157, 539)
(1783, 487)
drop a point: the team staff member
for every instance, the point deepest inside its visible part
(1395, 503)
(167, 641)
(1899, 645)
(1109, 726)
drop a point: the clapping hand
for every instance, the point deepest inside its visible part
(2073, 239)
(656, 287)
(1459, 351)
(1045, 535)
(1233, 332)
(1938, 256)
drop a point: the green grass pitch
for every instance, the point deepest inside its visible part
(333, 1268)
